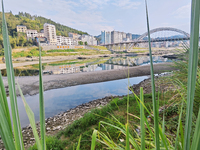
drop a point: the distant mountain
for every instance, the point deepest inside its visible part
(172, 37)
(35, 23)
(98, 37)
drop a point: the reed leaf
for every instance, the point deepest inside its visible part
(142, 125)
(192, 70)
(5, 132)
(79, 143)
(31, 117)
(94, 137)
(4, 102)
(11, 83)
(127, 137)
(155, 109)
(196, 137)
(41, 100)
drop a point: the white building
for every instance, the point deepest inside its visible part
(50, 33)
(31, 34)
(40, 35)
(61, 40)
(21, 28)
(89, 39)
(74, 35)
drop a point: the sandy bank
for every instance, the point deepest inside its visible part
(30, 84)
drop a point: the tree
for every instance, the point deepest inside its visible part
(80, 43)
(85, 43)
(22, 40)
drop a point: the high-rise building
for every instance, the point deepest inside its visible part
(115, 37)
(108, 37)
(105, 37)
(123, 36)
(50, 33)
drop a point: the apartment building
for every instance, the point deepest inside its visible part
(74, 35)
(31, 34)
(116, 37)
(61, 40)
(21, 28)
(105, 37)
(40, 35)
(50, 33)
(89, 39)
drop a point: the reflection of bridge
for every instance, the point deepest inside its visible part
(141, 39)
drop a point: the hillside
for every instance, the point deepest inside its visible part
(33, 22)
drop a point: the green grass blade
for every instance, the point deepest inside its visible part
(3, 101)
(179, 126)
(31, 117)
(5, 132)
(127, 137)
(196, 138)
(163, 129)
(192, 69)
(94, 137)
(42, 108)
(163, 139)
(142, 127)
(11, 82)
(79, 144)
(155, 109)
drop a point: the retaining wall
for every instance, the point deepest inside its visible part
(50, 47)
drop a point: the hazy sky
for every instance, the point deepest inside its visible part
(93, 16)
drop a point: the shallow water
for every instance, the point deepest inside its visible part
(60, 100)
(87, 65)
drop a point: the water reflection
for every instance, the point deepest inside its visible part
(60, 100)
(88, 65)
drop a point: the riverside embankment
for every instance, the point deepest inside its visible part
(30, 84)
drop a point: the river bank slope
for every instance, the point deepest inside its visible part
(30, 84)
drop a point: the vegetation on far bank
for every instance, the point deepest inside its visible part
(34, 52)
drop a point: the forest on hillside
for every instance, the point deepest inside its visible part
(31, 22)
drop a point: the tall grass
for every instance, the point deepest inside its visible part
(155, 137)
(192, 69)
(6, 131)
(144, 136)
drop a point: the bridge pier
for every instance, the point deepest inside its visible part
(127, 46)
(109, 46)
(120, 45)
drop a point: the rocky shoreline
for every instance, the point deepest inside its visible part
(61, 121)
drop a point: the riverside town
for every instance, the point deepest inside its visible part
(99, 74)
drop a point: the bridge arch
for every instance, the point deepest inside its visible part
(163, 29)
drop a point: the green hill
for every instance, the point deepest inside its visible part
(33, 22)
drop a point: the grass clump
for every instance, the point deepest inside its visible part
(30, 53)
(59, 50)
(53, 143)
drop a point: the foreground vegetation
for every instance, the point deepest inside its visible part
(123, 131)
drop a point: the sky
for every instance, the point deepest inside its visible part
(93, 16)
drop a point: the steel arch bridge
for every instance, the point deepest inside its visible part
(129, 44)
(164, 29)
